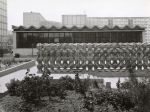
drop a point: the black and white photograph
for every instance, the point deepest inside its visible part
(74, 55)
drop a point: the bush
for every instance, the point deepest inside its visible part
(32, 88)
(25, 107)
(125, 85)
(139, 91)
(118, 99)
(109, 108)
(67, 82)
(140, 94)
(95, 84)
(1, 52)
(84, 86)
(106, 108)
(13, 87)
(57, 89)
(17, 55)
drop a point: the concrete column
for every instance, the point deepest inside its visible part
(14, 42)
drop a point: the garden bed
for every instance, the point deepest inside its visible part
(45, 94)
(73, 100)
(16, 67)
(6, 63)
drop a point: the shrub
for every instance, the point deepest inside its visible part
(95, 84)
(84, 86)
(105, 107)
(67, 82)
(140, 95)
(31, 89)
(13, 87)
(57, 89)
(125, 85)
(139, 91)
(17, 55)
(1, 52)
(118, 99)
(25, 107)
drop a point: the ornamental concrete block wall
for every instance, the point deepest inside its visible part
(93, 57)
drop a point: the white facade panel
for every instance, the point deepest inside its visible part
(74, 20)
(32, 19)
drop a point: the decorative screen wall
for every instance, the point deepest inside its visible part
(93, 57)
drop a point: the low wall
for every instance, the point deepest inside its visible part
(24, 65)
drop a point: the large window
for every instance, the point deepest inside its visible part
(29, 39)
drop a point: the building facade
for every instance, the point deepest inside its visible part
(50, 23)
(83, 20)
(3, 21)
(74, 20)
(32, 19)
(82, 29)
(26, 38)
(37, 20)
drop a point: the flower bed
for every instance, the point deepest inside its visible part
(9, 62)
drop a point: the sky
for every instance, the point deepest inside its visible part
(53, 9)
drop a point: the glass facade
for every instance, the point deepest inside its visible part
(30, 39)
(3, 20)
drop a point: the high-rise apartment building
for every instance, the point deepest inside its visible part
(32, 19)
(50, 23)
(3, 20)
(83, 20)
(36, 19)
(74, 20)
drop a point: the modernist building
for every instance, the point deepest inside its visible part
(82, 29)
(26, 38)
(83, 20)
(3, 21)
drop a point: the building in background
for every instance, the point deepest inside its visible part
(32, 19)
(83, 20)
(3, 22)
(74, 20)
(36, 19)
(50, 23)
(10, 39)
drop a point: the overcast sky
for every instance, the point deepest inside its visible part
(53, 9)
